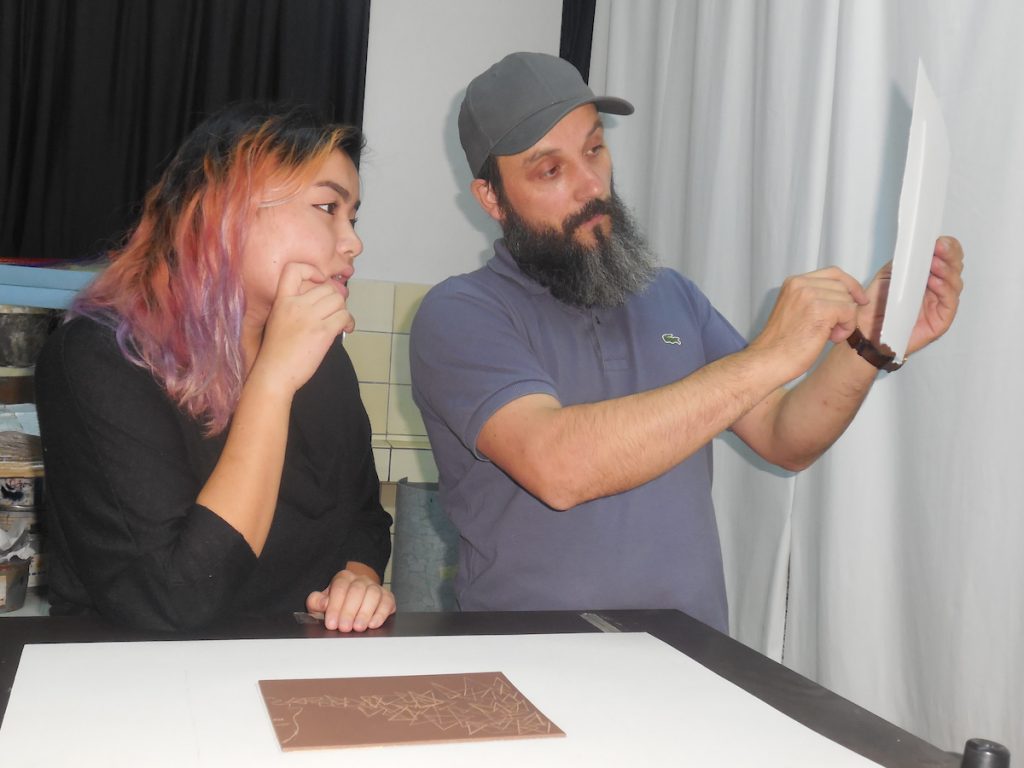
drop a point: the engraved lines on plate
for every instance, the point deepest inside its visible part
(481, 709)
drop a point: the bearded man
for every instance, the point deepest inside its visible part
(571, 388)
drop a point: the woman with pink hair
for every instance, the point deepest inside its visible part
(206, 452)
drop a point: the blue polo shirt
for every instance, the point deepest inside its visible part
(483, 339)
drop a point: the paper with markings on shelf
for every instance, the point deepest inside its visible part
(922, 199)
(621, 699)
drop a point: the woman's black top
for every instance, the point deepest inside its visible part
(123, 467)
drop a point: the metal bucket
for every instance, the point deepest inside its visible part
(11, 518)
(23, 330)
(13, 585)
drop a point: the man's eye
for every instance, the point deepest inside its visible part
(550, 172)
(328, 208)
(596, 149)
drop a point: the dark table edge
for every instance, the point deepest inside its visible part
(799, 697)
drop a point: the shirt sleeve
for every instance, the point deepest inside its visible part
(718, 336)
(465, 329)
(121, 490)
(332, 442)
(369, 538)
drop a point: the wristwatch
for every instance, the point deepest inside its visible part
(883, 359)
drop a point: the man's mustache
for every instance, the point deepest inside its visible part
(594, 208)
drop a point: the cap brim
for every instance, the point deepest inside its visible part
(535, 127)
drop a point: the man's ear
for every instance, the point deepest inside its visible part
(485, 195)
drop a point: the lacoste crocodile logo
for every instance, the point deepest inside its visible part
(671, 338)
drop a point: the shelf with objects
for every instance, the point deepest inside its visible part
(22, 536)
(32, 299)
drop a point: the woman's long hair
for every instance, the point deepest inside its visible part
(173, 293)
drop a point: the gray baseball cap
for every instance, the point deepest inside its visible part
(513, 104)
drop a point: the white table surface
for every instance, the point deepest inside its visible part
(622, 699)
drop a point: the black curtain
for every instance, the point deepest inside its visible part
(95, 96)
(577, 34)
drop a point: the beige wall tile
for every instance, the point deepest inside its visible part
(407, 300)
(372, 303)
(382, 461)
(375, 400)
(388, 494)
(418, 466)
(371, 355)
(400, 373)
(403, 415)
(416, 443)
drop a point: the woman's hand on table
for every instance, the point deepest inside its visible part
(354, 601)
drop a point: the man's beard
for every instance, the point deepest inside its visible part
(602, 275)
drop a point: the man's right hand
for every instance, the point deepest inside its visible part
(811, 309)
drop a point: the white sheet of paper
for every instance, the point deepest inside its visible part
(622, 699)
(922, 199)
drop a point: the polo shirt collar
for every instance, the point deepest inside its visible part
(503, 264)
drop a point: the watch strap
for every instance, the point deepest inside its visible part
(883, 359)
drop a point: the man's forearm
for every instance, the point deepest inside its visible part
(568, 455)
(794, 427)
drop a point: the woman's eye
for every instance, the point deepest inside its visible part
(596, 149)
(328, 208)
(353, 222)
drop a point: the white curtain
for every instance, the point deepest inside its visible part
(769, 139)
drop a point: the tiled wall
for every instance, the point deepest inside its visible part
(380, 353)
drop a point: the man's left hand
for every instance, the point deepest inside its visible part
(941, 298)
